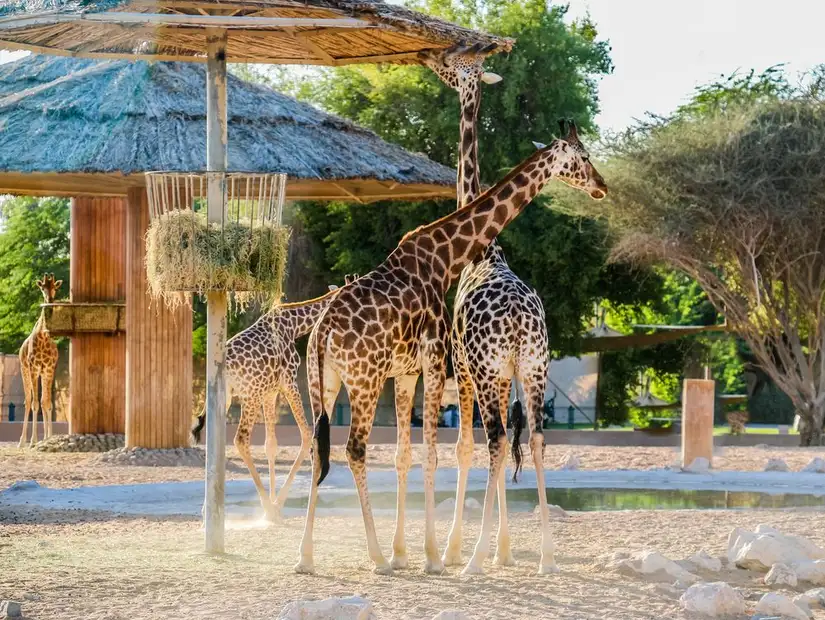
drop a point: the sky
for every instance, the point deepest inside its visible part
(662, 49)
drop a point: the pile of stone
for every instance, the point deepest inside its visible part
(786, 559)
(93, 442)
(145, 457)
(349, 608)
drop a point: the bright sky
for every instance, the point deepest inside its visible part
(663, 48)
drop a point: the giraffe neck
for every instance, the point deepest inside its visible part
(40, 326)
(454, 241)
(300, 317)
(468, 185)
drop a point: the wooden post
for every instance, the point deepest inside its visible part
(97, 362)
(158, 349)
(697, 420)
(216, 303)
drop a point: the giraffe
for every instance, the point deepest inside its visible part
(516, 347)
(38, 359)
(392, 322)
(261, 364)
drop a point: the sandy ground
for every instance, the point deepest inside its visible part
(71, 470)
(76, 565)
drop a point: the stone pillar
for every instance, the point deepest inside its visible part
(697, 420)
(97, 361)
(158, 350)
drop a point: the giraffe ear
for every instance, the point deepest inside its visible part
(57, 284)
(491, 78)
(332, 287)
(539, 145)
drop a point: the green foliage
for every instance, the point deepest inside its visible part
(34, 239)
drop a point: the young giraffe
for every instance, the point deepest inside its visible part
(485, 284)
(392, 322)
(261, 364)
(38, 359)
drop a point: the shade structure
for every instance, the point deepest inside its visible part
(304, 32)
(72, 126)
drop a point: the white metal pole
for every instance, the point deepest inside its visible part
(216, 303)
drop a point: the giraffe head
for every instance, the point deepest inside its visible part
(572, 163)
(48, 286)
(461, 67)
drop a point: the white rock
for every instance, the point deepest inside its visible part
(816, 466)
(351, 608)
(713, 599)
(812, 572)
(570, 462)
(803, 605)
(447, 507)
(705, 561)
(767, 546)
(451, 614)
(653, 563)
(699, 465)
(781, 575)
(773, 604)
(814, 598)
(472, 504)
(776, 465)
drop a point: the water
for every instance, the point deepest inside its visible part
(525, 500)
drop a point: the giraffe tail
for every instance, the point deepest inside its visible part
(517, 418)
(321, 430)
(197, 427)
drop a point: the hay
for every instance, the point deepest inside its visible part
(184, 254)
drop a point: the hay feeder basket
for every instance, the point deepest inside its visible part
(245, 252)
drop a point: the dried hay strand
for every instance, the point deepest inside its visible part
(185, 254)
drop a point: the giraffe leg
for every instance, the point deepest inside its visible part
(332, 385)
(249, 414)
(404, 394)
(293, 398)
(534, 395)
(37, 406)
(363, 405)
(47, 382)
(488, 400)
(463, 452)
(271, 445)
(29, 402)
(504, 553)
(435, 374)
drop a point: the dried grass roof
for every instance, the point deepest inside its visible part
(350, 31)
(61, 119)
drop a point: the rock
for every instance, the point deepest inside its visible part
(767, 546)
(23, 485)
(776, 465)
(447, 507)
(705, 561)
(816, 466)
(10, 609)
(472, 504)
(814, 597)
(351, 608)
(713, 599)
(653, 563)
(812, 572)
(570, 462)
(556, 512)
(451, 614)
(773, 604)
(699, 465)
(780, 575)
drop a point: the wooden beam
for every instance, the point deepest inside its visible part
(53, 51)
(377, 59)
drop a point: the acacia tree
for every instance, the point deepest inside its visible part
(731, 191)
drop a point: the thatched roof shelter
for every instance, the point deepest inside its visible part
(72, 125)
(325, 32)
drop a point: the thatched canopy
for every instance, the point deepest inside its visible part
(70, 126)
(325, 32)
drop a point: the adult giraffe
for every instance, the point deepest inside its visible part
(392, 322)
(38, 360)
(261, 364)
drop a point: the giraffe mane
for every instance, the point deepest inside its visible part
(308, 302)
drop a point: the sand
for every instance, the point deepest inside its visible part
(70, 470)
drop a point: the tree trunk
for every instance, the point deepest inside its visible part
(811, 419)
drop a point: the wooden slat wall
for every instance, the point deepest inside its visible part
(158, 350)
(98, 361)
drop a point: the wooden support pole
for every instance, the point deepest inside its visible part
(97, 362)
(216, 303)
(697, 420)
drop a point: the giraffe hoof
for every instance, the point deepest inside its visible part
(305, 568)
(505, 559)
(434, 567)
(382, 569)
(452, 557)
(548, 569)
(473, 569)
(399, 561)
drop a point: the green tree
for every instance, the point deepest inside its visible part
(34, 239)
